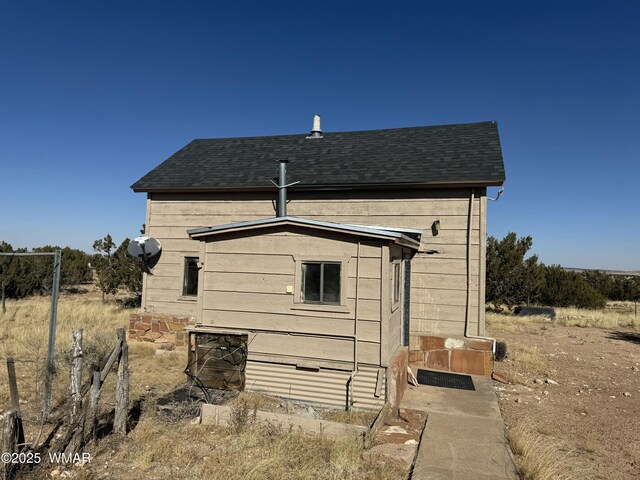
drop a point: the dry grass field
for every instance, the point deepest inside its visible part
(582, 426)
(159, 446)
(573, 404)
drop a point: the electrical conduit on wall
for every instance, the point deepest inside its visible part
(468, 302)
(350, 400)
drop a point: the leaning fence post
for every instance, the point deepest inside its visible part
(92, 411)
(122, 386)
(75, 415)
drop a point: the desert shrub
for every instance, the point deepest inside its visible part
(501, 350)
(240, 415)
(177, 411)
(614, 287)
(536, 457)
(512, 277)
(569, 289)
(26, 276)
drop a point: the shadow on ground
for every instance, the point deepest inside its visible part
(626, 336)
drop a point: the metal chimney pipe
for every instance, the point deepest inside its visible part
(282, 189)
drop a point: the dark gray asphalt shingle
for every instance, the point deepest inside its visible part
(437, 155)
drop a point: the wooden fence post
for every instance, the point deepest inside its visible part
(15, 402)
(13, 385)
(75, 387)
(92, 410)
(11, 431)
(122, 386)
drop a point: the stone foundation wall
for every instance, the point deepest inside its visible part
(397, 376)
(166, 331)
(458, 355)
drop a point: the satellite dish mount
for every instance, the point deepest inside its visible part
(146, 249)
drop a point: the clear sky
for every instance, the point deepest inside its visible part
(93, 95)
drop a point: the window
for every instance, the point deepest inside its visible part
(396, 282)
(190, 284)
(321, 282)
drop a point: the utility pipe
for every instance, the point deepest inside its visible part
(354, 372)
(282, 189)
(468, 304)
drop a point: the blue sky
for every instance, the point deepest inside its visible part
(94, 95)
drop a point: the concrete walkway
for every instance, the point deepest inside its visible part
(464, 436)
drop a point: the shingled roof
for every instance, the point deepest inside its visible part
(464, 154)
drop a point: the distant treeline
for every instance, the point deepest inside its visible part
(26, 276)
(514, 279)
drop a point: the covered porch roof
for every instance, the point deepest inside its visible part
(402, 236)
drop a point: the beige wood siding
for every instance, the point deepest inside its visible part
(394, 311)
(254, 296)
(438, 280)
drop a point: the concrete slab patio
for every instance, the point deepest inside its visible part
(464, 436)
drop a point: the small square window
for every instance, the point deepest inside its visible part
(321, 282)
(190, 284)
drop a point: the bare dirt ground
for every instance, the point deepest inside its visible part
(592, 415)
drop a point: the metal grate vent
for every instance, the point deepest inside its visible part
(446, 380)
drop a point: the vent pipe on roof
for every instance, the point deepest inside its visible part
(282, 189)
(315, 130)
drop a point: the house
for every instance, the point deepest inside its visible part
(376, 245)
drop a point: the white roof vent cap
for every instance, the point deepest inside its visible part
(315, 130)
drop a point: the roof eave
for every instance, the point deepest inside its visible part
(408, 243)
(346, 186)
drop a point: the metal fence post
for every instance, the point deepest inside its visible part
(48, 380)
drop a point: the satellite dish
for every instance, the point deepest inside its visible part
(147, 249)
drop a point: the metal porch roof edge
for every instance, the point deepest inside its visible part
(382, 232)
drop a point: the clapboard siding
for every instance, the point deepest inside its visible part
(437, 325)
(164, 304)
(444, 236)
(301, 245)
(441, 297)
(368, 331)
(445, 281)
(311, 347)
(250, 293)
(430, 207)
(281, 304)
(431, 264)
(277, 284)
(333, 196)
(447, 252)
(278, 263)
(188, 220)
(394, 324)
(444, 312)
(437, 279)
